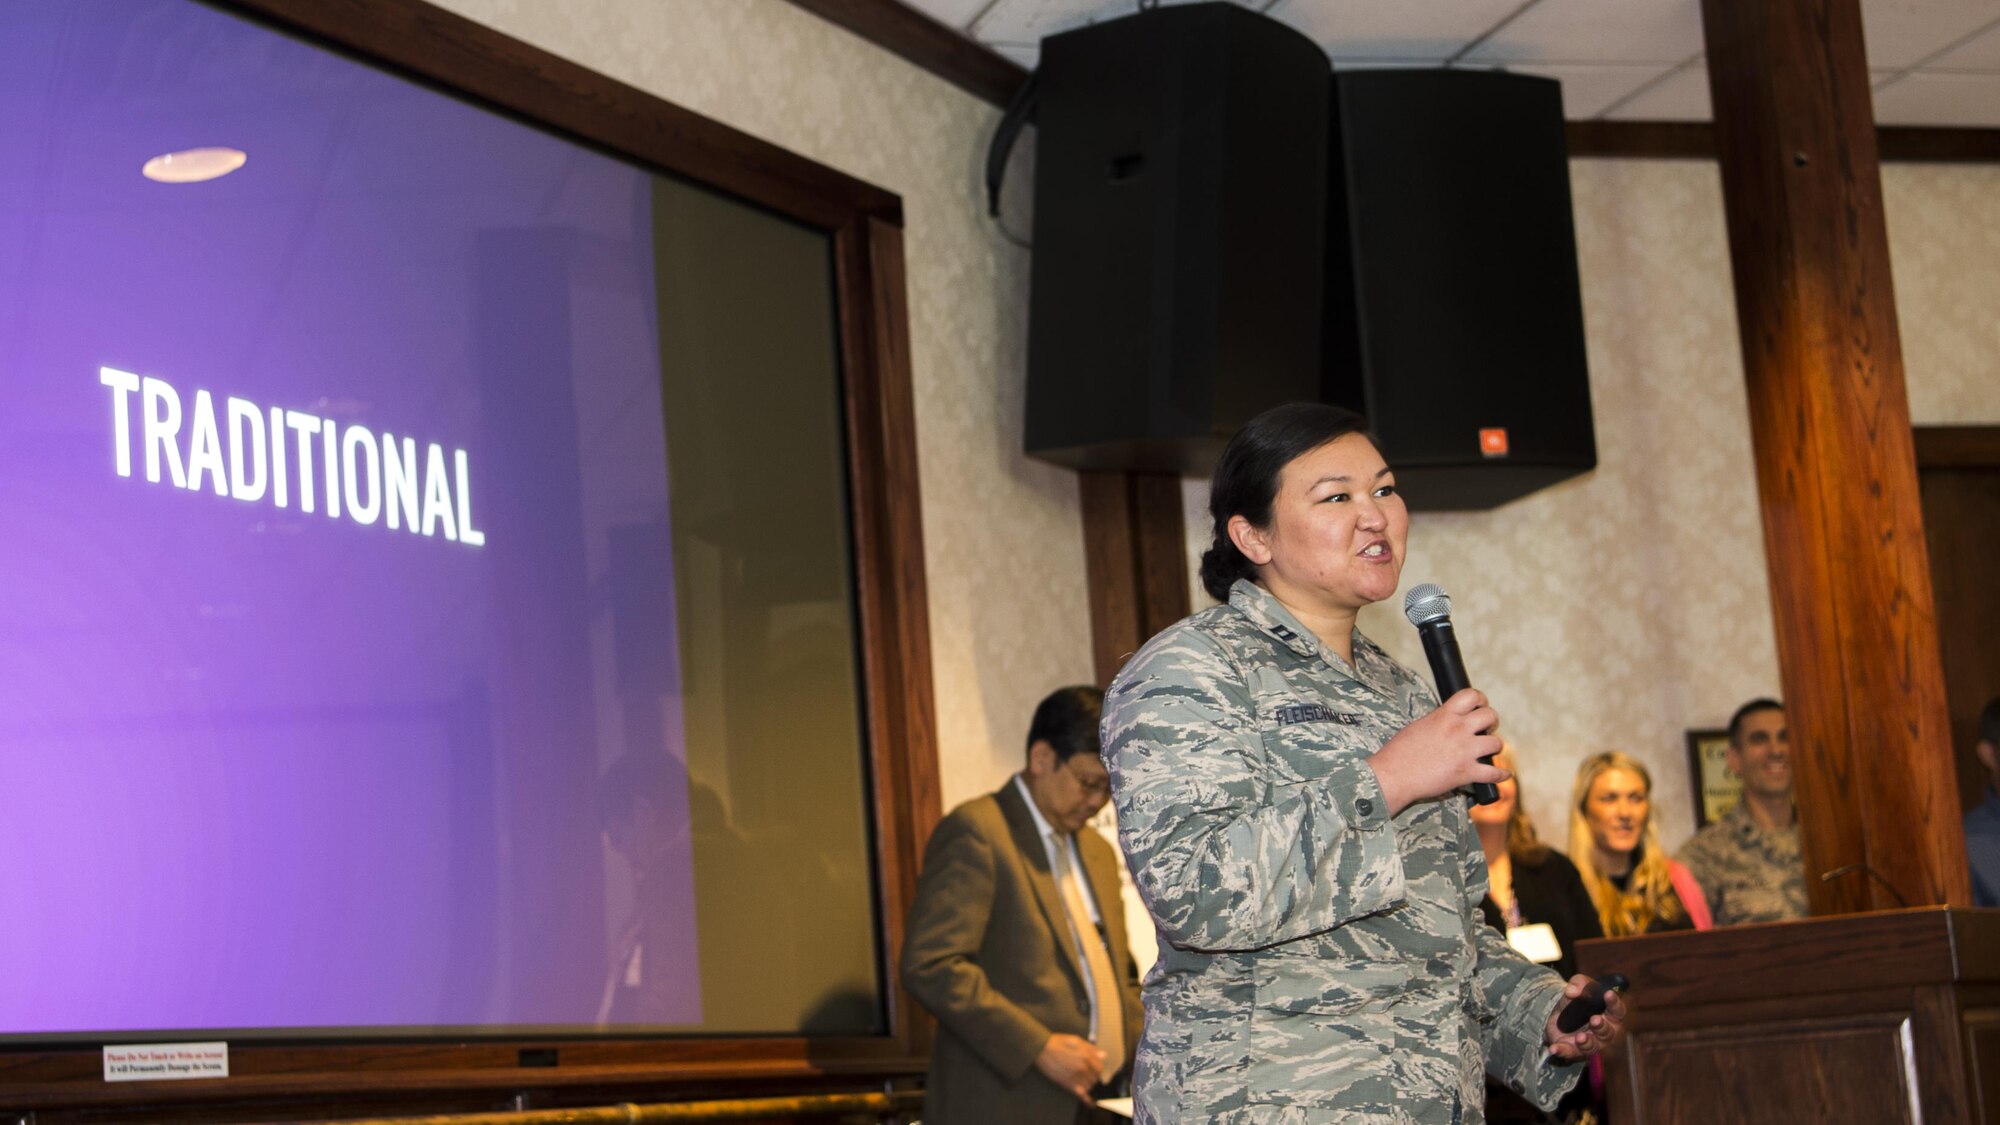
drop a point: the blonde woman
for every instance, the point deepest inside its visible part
(1637, 889)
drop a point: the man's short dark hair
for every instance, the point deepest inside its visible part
(1744, 712)
(1989, 722)
(1067, 721)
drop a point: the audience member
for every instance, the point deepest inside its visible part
(1534, 894)
(1637, 889)
(1017, 938)
(1536, 898)
(1748, 862)
(1982, 824)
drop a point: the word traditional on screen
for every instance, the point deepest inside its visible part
(362, 477)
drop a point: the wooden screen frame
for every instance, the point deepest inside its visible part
(416, 40)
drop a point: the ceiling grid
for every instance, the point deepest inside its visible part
(1935, 62)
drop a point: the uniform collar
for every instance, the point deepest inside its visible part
(1745, 826)
(1371, 666)
(1273, 619)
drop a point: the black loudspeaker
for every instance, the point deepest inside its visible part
(1454, 319)
(1179, 263)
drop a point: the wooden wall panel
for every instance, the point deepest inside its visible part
(1962, 526)
(1135, 562)
(1958, 472)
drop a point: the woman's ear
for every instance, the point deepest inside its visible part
(1249, 539)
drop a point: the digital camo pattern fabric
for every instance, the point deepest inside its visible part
(1746, 873)
(1319, 960)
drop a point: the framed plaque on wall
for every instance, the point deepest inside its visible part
(1716, 788)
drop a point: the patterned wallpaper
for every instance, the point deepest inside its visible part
(1003, 541)
(1944, 250)
(1615, 610)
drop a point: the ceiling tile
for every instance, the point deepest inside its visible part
(1027, 57)
(1928, 100)
(951, 13)
(1024, 22)
(1587, 90)
(1982, 52)
(1902, 33)
(1393, 29)
(1681, 96)
(1923, 98)
(1597, 31)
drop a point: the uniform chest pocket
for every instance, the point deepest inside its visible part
(1306, 731)
(1307, 751)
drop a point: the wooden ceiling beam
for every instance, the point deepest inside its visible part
(915, 37)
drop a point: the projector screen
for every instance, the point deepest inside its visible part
(393, 584)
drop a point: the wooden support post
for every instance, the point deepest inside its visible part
(1135, 559)
(1843, 528)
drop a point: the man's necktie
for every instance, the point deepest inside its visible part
(1107, 1019)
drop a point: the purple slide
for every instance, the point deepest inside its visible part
(333, 499)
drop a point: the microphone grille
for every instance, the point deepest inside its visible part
(1426, 603)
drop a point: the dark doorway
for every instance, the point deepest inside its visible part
(1958, 470)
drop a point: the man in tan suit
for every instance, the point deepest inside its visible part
(1017, 939)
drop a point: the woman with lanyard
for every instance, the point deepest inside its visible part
(1534, 894)
(1292, 804)
(1536, 898)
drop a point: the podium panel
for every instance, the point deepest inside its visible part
(1826, 1070)
(1865, 1018)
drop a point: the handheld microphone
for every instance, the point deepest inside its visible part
(1591, 1003)
(1429, 608)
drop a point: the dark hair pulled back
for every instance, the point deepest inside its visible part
(1246, 478)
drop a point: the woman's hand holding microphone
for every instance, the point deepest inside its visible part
(1440, 752)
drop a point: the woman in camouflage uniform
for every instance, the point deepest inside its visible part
(1289, 800)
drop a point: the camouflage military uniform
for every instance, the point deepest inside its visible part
(1319, 960)
(1746, 873)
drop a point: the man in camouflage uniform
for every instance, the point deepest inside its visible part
(1320, 960)
(1748, 862)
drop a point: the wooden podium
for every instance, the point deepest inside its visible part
(1863, 1018)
